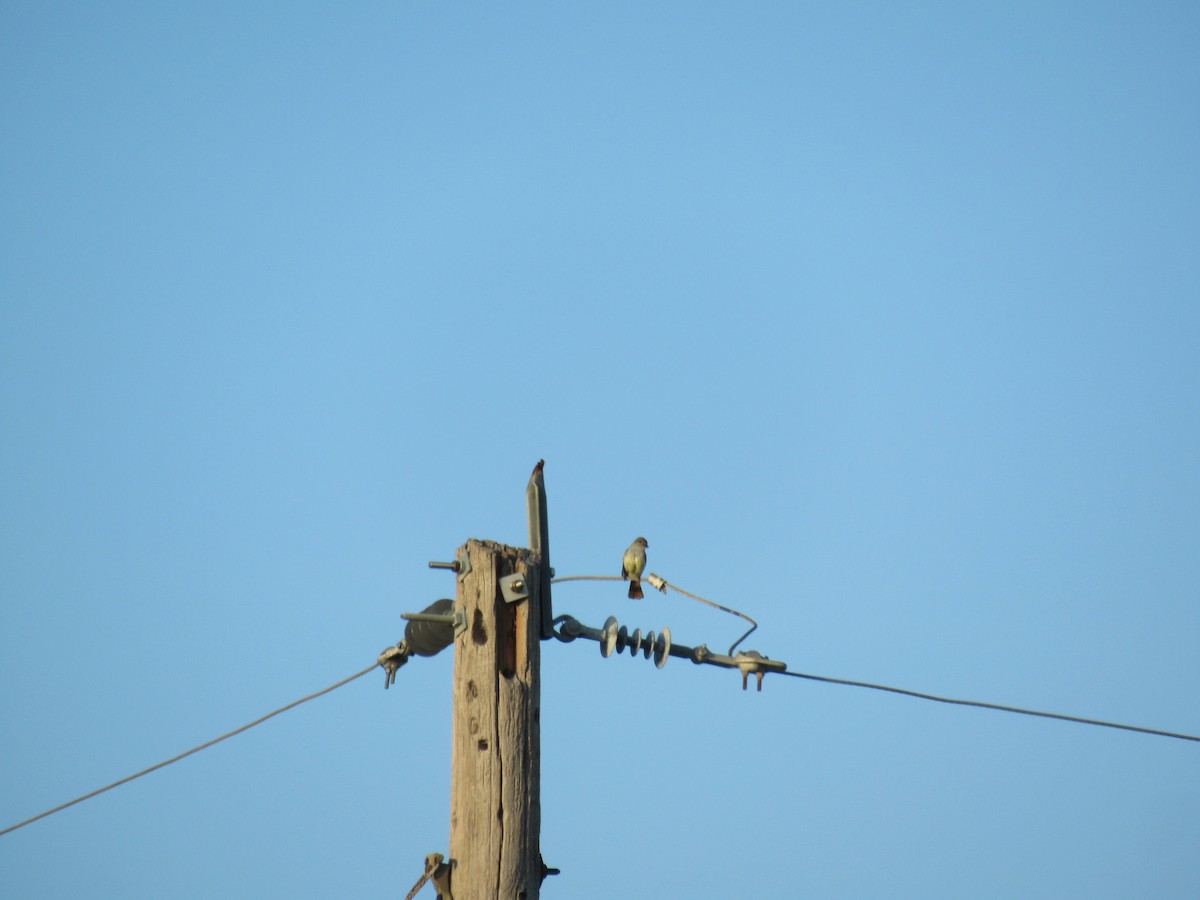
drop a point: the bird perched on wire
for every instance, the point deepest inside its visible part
(633, 563)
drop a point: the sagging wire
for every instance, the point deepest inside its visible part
(187, 753)
(982, 705)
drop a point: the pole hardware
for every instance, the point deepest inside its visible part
(461, 564)
(437, 870)
(751, 662)
(435, 628)
(613, 637)
(392, 659)
(514, 588)
(538, 520)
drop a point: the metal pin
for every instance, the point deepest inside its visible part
(439, 618)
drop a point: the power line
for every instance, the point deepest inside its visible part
(204, 746)
(662, 584)
(983, 705)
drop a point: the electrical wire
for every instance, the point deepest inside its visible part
(753, 624)
(881, 687)
(204, 746)
(416, 888)
(983, 705)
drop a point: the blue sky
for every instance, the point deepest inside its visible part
(879, 321)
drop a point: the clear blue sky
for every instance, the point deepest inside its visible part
(880, 321)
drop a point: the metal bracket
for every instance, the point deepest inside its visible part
(458, 619)
(514, 588)
(464, 562)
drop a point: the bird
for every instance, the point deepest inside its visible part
(632, 565)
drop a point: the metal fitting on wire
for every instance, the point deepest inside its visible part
(752, 662)
(426, 634)
(392, 659)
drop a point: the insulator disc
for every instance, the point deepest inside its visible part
(662, 648)
(608, 637)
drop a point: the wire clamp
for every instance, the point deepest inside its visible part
(751, 662)
(437, 869)
(392, 659)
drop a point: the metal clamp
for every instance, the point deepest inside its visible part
(752, 662)
(437, 869)
(392, 659)
(656, 582)
(514, 588)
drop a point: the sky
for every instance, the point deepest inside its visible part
(879, 321)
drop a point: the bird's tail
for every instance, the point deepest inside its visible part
(635, 589)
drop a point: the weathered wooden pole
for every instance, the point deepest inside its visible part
(495, 778)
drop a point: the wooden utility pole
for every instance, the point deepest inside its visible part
(495, 779)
